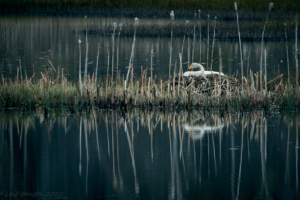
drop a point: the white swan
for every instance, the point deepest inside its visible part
(197, 131)
(202, 72)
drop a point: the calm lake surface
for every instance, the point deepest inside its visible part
(152, 155)
(34, 36)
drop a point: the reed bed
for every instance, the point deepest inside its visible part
(213, 91)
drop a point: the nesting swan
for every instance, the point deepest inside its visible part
(202, 72)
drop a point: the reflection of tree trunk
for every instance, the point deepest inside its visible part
(25, 159)
(97, 138)
(232, 164)
(80, 128)
(263, 159)
(195, 167)
(106, 124)
(200, 164)
(183, 163)
(175, 173)
(11, 144)
(241, 161)
(220, 144)
(151, 137)
(174, 161)
(214, 149)
(248, 145)
(21, 134)
(170, 141)
(137, 187)
(119, 171)
(113, 153)
(87, 156)
(297, 149)
(287, 158)
(208, 157)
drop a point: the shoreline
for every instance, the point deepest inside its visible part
(225, 31)
(210, 92)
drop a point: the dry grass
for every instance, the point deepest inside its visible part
(177, 92)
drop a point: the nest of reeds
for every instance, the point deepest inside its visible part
(210, 84)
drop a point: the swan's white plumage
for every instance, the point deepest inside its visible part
(202, 72)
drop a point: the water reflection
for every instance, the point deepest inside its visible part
(102, 154)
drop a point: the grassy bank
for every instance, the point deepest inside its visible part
(142, 7)
(218, 92)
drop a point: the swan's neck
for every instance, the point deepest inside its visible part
(201, 68)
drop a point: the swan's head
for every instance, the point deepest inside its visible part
(195, 66)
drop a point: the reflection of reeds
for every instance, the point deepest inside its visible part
(174, 154)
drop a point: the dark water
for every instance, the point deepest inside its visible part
(149, 155)
(34, 36)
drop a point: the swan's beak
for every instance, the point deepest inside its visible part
(190, 67)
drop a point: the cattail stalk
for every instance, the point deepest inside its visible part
(97, 65)
(262, 43)
(106, 85)
(120, 29)
(186, 23)
(240, 43)
(172, 16)
(207, 41)
(194, 38)
(220, 69)
(151, 69)
(296, 57)
(132, 51)
(287, 55)
(21, 71)
(180, 61)
(200, 34)
(188, 50)
(79, 42)
(212, 50)
(113, 52)
(265, 72)
(86, 57)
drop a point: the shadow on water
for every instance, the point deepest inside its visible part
(150, 154)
